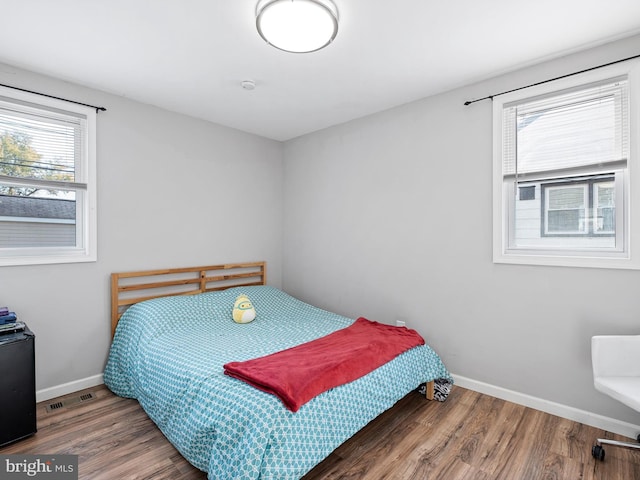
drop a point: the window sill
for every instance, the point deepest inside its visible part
(620, 261)
(7, 261)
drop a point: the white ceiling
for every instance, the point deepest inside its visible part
(190, 56)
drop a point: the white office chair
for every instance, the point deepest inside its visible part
(616, 372)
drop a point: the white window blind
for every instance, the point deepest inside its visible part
(575, 131)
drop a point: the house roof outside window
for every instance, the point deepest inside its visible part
(33, 207)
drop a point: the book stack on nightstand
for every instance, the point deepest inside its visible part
(17, 380)
(9, 321)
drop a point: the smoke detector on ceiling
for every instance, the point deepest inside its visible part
(248, 84)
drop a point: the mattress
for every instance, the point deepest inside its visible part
(168, 353)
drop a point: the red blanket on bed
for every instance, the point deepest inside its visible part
(298, 374)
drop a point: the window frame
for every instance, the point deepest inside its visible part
(625, 256)
(545, 209)
(85, 249)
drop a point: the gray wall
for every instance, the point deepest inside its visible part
(387, 217)
(390, 217)
(172, 191)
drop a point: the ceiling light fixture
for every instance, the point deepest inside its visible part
(297, 26)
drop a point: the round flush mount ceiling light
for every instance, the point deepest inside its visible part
(298, 26)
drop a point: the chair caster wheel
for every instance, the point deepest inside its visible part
(598, 452)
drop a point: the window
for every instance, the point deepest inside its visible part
(527, 193)
(584, 207)
(47, 180)
(564, 169)
(604, 208)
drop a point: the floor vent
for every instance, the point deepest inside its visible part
(54, 406)
(87, 396)
(70, 401)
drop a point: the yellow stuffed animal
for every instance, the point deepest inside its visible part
(243, 311)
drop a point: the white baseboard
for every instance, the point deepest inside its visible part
(564, 411)
(66, 388)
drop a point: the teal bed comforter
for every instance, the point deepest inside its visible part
(168, 354)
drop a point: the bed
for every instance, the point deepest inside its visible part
(173, 333)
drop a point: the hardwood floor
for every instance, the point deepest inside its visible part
(470, 436)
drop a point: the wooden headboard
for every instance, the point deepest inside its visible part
(128, 288)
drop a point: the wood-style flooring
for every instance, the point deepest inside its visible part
(471, 436)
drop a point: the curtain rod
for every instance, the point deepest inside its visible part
(490, 97)
(98, 109)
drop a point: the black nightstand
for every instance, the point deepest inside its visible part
(17, 386)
